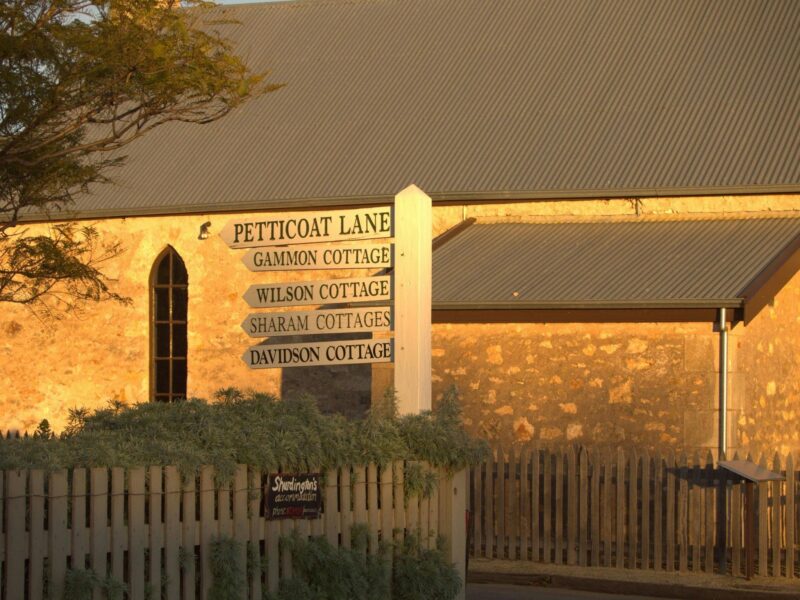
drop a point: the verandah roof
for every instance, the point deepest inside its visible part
(602, 270)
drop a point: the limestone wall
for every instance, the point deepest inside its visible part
(648, 384)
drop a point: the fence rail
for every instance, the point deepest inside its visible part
(629, 510)
(152, 530)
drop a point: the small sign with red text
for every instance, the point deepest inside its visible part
(293, 496)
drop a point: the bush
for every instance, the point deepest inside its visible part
(323, 572)
(246, 428)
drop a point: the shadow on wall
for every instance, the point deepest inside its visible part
(343, 389)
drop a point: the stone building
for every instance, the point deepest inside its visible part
(616, 192)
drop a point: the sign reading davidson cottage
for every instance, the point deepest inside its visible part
(306, 257)
(308, 354)
(328, 291)
(346, 320)
(293, 496)
(309, 227)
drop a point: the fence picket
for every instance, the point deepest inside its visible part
(583, 508)
(156, 541)
(722, 519)
(372, 510)
(241, 529)
(683, 515)
(399, 500)
(547, 515)
(500, 503)
(119, 534)
(98, 540)
(15, 555)
(790, 516)
(595, 510)
(670, 510)
(172, 532)
(208, 528)
(736, 526)
(763, 523)
(488, 510)
(536, 506)
(710, 491)
(696, 513)
(512, 504)
(633, 502)
(559, 502)
(775, 514)
(136, 535)
(78, 514)
(433, 514)
(56, 532)
(331, 511)
(345, 492)
(189, 533)
(658, 514)
(620, 537)
(224, 525)
(255, 532)
(387, 509)
(608, 511)
(273, 531)
(37, 539)
(525, 502)
(572, 506)
(646, 523)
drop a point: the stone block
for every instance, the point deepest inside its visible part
(700, 353)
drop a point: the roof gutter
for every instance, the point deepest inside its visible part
(440, 198)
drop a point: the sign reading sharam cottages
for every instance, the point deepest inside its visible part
(283, 243)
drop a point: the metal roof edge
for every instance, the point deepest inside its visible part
(593, 305)
(440, 198)
(777, 273)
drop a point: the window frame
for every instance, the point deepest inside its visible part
(169, 253)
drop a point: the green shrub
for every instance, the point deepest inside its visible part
(227, 570)
(321, 571)
(245, 428)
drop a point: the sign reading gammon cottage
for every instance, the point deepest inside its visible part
(309, 227)
(308, 354)
(293, 496)
(306, 257)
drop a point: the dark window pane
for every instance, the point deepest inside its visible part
(162, 275)
(179, 377)
(162, 341)
(179, 304)
(179, 341)
(162, 304)
(162, 397)
(179, 274)
(162, 376)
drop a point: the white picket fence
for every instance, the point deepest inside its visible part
(150, 530)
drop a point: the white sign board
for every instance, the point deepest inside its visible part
(350, 352)
(307, 257)
(309, 227)
(328, 291)
(345, 320)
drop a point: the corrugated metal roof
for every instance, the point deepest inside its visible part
(487, 99)
(622, 264)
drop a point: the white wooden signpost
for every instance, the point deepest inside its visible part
(301, 241)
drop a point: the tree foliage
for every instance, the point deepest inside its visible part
(79, 80)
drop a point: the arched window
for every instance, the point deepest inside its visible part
(169, 303)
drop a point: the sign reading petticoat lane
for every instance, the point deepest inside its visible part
(309, 228)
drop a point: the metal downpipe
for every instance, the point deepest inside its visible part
(723, 384)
